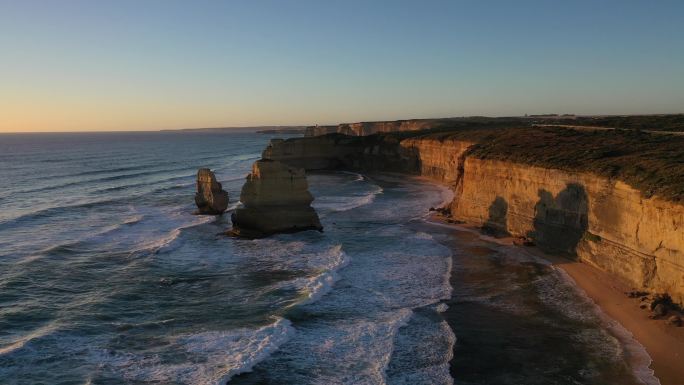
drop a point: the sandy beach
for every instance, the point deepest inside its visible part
(663, 343)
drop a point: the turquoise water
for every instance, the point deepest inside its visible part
(106, 277)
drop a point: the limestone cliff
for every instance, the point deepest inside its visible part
(604, 222)
(312, 153)
(275, 199)
(601, 221)
(439, 160)
(210, 197)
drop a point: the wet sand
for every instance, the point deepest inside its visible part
(664, 343)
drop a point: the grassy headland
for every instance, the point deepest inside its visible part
(652, 163)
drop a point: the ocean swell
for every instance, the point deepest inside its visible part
(211, 357)
(315, 287)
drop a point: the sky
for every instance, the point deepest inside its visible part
(162, 64)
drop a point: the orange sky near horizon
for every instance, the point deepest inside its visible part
(131, 65)
(63, 116)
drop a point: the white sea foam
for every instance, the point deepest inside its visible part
(422, 353)
(381, 288)
(347, 351)
(347, 202)
(423, 235)
(211, 357)
(551, 294)
(358, 177)
(639, 358)
(233, 354)
(166, 242)
(401, 320)
(619, 342)
(319, 285)
(142, 230)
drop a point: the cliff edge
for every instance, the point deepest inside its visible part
(370, 128)
(610, 199)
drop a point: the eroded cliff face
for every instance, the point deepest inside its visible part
(604, 223)
(600, 221)
(438, 160)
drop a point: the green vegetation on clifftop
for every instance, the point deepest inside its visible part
(652, 163)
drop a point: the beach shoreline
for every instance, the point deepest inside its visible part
(662, 345)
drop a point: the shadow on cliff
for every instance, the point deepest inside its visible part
(560, 222)
(497, 222)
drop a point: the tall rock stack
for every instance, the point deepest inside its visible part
(275, 199)
(210, 197)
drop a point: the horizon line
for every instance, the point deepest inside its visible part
(331, 124)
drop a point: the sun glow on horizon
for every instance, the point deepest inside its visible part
(126, 65)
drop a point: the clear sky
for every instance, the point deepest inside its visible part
(155, 64)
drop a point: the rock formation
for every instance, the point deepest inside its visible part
(600, 221)
(275, 199)
(210, 197)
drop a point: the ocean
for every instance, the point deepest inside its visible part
(107, 277)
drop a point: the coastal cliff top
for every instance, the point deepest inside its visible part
(646, 152)
(650, 162)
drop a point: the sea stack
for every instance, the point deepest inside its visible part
(210, 197)
(275, 199)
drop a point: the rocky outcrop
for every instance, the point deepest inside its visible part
(210, 197)
(275, 199)
(600, 221)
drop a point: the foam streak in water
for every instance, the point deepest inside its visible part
(212, 357)
(639, 357)
(319, 285)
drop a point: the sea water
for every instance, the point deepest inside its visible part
(106, 277)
